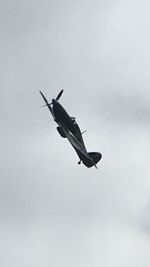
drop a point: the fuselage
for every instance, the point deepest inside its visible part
(70, 128)
(61, 115)
(65, 120)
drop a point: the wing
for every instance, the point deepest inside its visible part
(75, 142)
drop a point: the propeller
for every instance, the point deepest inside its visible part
(57, 98)
(59, 95)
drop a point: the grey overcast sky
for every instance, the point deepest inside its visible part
(52, 211)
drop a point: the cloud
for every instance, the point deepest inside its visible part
(54, 212)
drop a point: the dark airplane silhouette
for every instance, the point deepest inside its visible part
(68, 128)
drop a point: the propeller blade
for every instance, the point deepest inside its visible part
(49, 104)
(59, 95)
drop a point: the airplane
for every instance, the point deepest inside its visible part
(68, 128)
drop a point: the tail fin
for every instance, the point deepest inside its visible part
(94, 158)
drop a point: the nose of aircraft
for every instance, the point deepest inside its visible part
(57, 109)
(56, 105)
(54, 102)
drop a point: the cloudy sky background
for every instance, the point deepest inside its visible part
(52, 211)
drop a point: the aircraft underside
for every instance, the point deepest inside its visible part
(68, 128)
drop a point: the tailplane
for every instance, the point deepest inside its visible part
(94, 158)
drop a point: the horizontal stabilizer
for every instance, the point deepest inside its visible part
(94, 158)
